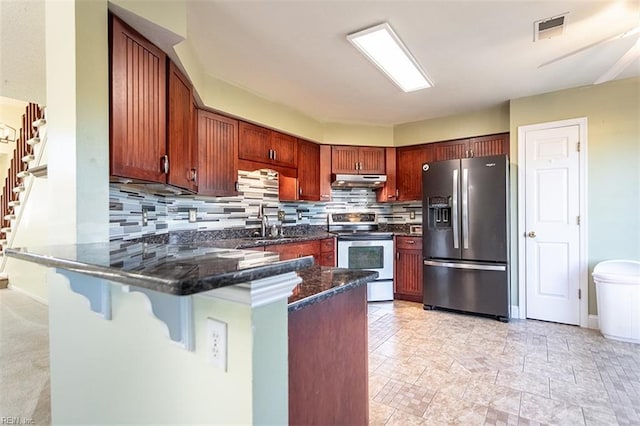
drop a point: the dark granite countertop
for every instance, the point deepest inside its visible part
(321, 282)
(167, 268)
(247, 243)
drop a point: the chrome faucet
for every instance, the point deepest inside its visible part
(264, 221)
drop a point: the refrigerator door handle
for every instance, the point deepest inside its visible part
(466, 266)
(465, 208)
(454, 210)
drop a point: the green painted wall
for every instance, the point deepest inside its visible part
(613, 150)
(475, 123)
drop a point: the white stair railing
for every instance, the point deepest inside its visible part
(36, 167)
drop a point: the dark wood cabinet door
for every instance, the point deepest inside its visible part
(485, 146)
(451, 150)
(217, 155)
(295, 250)
(308, 170)
(344, 159)
(409, 161)
(284, 150)
(181, 141)
(328, 368)
(371, 161)
(254, 143)
(138, 142)
(328, 252)
(325, 173)
(408, 266)
(389, 192)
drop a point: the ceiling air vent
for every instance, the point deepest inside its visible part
(550, 27)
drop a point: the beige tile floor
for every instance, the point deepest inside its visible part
(436, 367)
(425, 367)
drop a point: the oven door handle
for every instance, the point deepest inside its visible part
(365, 243)
(375, 240)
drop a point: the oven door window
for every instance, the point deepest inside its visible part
(366, 257)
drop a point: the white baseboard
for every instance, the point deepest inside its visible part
(515, 311)
(32, 296)
(592, 322)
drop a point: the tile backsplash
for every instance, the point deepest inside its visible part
(168, 213)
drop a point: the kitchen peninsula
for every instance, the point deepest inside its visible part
(119, 366)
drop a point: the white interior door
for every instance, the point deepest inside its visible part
(552, 234)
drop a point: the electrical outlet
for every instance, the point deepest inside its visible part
(412, 215)
(217, 343)
(281, 215)
(145, 216)
(193, 215)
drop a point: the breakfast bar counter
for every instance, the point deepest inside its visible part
(217, 335)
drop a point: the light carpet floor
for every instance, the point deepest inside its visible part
(24, 360)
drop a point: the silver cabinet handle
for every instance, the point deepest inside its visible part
(465, 208)
(194, 175)
(454, 209)
(165, 164)
(531, 234)
(275, 155)
(300, 190)
(410, 242)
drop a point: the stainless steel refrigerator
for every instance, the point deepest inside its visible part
(465, 235)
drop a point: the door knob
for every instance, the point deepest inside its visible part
(531, 234)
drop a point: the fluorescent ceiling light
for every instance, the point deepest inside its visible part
(386, 51)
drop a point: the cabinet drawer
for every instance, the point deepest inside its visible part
(327, 245)
(409, 243)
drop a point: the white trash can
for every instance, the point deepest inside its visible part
(618, 295)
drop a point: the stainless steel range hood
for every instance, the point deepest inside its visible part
(357, 181)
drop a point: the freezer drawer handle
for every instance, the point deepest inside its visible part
(466, 266)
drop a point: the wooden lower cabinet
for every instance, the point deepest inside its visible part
(295, 250)
(328, 361)
(407, 281)
(323, 251)
(328, 252)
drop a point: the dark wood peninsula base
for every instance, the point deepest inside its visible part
(328, 361)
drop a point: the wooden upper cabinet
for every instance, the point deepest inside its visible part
(217, 154)
(263, 145)
(308, 170)
(325, 173)
(254, 142)
(372, 161)
(409, 161)
(344, 159)
(389, 192)
(481, 146)
(359, 160)
(284, 149)
(181, 141)
(485, 146)
(138, 142)
(451, 150)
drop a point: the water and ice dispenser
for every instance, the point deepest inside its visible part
(439, 212)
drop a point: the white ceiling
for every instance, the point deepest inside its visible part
(294, 52)
(478, 53)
